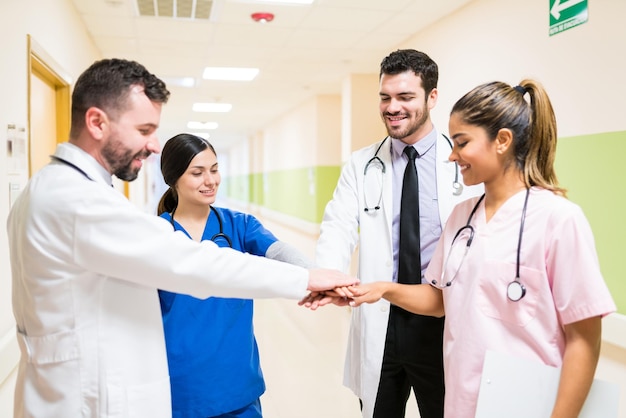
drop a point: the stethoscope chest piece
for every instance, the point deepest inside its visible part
(515, 291)
(457, 188)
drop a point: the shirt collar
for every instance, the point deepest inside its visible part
(422, 146)
(79, 158)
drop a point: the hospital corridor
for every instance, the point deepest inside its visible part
(402, 130)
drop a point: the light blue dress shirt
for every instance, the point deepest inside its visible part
(430, 223)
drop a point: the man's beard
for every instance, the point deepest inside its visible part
(409, 130)
(120, 160)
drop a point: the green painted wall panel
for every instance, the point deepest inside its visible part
(326, 181)
(256, 189)
(301, 193)
(236, 187)
(291, 192)
(590, 167)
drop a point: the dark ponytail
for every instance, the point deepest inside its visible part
(496, 105)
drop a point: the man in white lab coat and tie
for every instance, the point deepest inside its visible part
(391, 351)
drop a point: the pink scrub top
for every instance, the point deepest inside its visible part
(558, 266)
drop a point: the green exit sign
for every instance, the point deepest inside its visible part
(565, 14)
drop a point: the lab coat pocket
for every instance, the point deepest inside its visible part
(48, 349)
(151, 399)
(492, 293)
(54, 367)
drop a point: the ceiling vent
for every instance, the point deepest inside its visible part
(185, 9)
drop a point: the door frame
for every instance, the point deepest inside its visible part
(43, 66)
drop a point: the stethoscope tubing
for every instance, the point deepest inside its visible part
(515, 289)
(457, 187)
(217, 236)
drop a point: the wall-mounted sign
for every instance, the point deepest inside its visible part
(16, 149)
(565, 14)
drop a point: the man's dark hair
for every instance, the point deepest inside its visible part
(421, 64)
(106, 85)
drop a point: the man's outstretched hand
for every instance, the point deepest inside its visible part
(324, 279)
(327, 286)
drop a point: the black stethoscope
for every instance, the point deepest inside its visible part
(217, 237)
(74, 166)
(515, 289)
(376, 162)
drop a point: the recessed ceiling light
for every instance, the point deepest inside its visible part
(202, 125)
(230, 73)
(179, 81)
(212, 107)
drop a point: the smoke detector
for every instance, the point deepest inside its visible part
(262, 17)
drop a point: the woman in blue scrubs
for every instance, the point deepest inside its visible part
(212, 352)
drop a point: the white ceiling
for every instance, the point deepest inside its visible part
(305, 51)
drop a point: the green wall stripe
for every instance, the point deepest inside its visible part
(301, 193)
(327, 178)
(590, 167)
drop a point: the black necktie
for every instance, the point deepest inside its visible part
(409, 260)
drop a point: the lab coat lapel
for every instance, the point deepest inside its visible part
(445, 177)
(385, 156)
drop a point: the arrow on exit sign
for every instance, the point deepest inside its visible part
(558, 7)
(566, 14)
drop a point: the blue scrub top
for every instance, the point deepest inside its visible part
(211, 349)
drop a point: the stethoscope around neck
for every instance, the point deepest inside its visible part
(515, 290)
(217, 237)
(375, 161)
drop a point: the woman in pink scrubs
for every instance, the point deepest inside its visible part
(529, 283)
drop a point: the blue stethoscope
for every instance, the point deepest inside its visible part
(217, 237)
(515, 290)
(376, 162)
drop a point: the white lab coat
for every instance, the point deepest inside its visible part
(344, 217)
(86, 264)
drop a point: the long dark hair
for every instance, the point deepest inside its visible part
(176, 156)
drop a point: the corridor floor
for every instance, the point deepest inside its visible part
(302, 351)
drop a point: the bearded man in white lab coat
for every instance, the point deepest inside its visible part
(86, 263)
(387, 356)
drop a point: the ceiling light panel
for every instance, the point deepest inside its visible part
(230, 73)
(179, 81)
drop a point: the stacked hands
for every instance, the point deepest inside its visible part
(353, 295)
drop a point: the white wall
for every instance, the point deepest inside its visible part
(507, 40)
(295, 136)
(56, 27)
